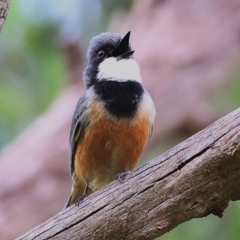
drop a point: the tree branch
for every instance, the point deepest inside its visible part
(187, 51)
(196, 178)
(4, 5)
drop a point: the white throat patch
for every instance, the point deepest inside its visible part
(119, 70)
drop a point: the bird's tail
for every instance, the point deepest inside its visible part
(69, 202)
(76, 192)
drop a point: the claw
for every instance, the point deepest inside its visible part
(80, 199)
(121, 176)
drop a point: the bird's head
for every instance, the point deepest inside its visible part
(110, 59)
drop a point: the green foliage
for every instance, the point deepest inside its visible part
(209, 228)
(32, 71)
(32, 67)
(227, 98)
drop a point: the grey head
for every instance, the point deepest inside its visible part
(104, 46)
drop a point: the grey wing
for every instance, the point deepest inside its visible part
(79, 124)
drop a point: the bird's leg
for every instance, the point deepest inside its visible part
(121, 176)
(80, 199)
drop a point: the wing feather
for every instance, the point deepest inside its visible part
(79, 125)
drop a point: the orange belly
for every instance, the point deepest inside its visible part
(109, 147)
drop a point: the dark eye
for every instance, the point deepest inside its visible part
(101, 54)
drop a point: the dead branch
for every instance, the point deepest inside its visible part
(4, 5)
(194, 179)
(186, 50)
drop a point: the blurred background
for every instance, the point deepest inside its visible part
(189, 54)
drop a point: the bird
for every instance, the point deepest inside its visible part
(113, 118)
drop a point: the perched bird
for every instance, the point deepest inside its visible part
(113, 119)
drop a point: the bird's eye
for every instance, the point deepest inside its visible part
(101, 54)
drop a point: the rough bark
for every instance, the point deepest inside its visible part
(186, 49)
(196, 178)
(4, 5)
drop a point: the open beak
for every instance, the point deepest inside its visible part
(121, 51)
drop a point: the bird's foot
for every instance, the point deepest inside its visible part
(80, 200)
(121, 176)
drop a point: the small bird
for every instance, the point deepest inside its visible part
(113, 119)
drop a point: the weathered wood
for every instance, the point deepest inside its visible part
(186, 50)
(4, 5)
(196, 178)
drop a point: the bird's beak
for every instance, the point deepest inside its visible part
(121, 50)
(125, 55)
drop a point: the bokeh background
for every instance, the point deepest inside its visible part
(189, 57)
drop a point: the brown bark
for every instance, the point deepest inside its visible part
(185, 49)
(194, 179)
(4, 5)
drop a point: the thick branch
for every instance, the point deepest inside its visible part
(4, 5)
(196, 178)
(188, 49)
